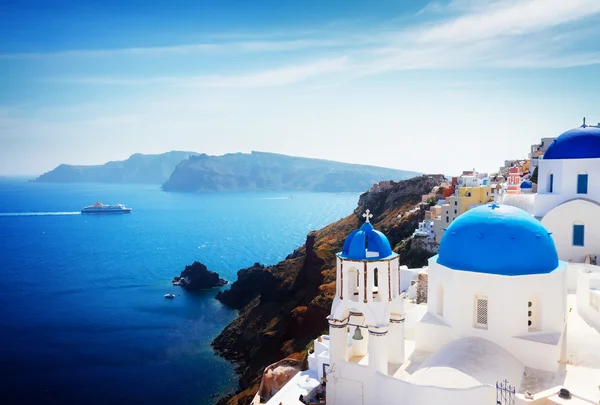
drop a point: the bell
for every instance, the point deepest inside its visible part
(357, 334)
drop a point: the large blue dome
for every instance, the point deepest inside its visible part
(578, 143)
(366, 239)
(496, 239)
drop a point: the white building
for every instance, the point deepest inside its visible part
(425, 229)
(514, 297)
(568, 198)
(538, 150)
(498, 308)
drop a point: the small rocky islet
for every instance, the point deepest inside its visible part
(197, 277)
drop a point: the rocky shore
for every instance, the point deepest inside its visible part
(197, 277)
(282, 308)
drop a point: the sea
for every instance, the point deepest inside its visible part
(83, 318)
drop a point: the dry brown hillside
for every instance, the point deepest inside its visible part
(283, 307)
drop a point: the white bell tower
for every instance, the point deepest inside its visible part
(366, 324)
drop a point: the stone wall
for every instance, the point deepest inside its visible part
(422, 279)
(427, 244)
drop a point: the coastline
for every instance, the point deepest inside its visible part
(280, 321)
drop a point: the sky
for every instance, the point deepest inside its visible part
(430, 86)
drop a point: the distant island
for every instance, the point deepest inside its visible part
(139, 168)
(192, 172)
(271, 171)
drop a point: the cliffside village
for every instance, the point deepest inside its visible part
(506, 312)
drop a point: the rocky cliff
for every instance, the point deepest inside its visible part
(271, 171)
(139, 168)
(282, 308)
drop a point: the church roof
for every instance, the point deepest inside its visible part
(526, 184)
(466, 363)
(366, 244)
(578, 143)
(472, 243)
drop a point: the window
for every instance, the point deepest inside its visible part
(531, 318)
(481, 311)
(455, 202)
(447, 219)
(376, 280)
(455, 212)
(440, 300)
(578, 235)
(550, 182)
(582, 183)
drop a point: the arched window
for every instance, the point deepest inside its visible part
(578, 234)
(582, 183)
(439, 308)
(353, 283)
(376, 278)
(550, 182)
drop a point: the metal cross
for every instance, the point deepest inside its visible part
(367, 215)
(494, 206)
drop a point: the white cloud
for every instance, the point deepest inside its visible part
(266, 78)
(216, 47)
(510, 18)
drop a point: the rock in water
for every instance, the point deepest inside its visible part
(197, 277)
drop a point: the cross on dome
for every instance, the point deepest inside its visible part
(367, 215)
(494, 206)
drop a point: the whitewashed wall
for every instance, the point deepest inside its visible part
(586, 282)
(560, 221)
(565, 182)
(354, 384)
(508, 298)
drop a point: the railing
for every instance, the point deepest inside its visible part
(505, 393)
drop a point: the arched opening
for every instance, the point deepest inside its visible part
(550, 183)
(582, 182)
(439, 307)
(578, 234)
(353, 283)
(376, 277)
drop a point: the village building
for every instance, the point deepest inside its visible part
(489, 318)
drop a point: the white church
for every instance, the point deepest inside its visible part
(513, 311)
(568, 198)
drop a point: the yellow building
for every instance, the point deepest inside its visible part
(466, 198)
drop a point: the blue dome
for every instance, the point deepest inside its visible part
(578, 143)
(496, 239)
(526, 184)
(366, 239)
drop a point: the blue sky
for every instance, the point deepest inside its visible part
(432, 86)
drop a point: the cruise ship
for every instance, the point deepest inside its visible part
(100, 208)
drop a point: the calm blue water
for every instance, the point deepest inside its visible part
(83, 319)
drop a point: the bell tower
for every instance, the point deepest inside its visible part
(366, 324)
